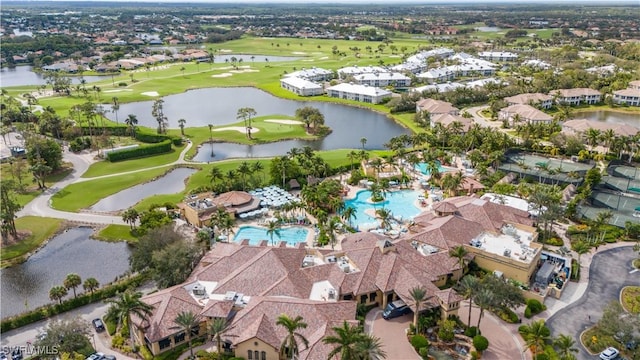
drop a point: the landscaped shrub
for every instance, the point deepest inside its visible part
(554, 241)
(527, 313)
(140, 151)
(480, 343)
(542, 357)
(535, 307)
(508, 315)
(471, 331)
(419, 341)
(424, 352)
(122, 84)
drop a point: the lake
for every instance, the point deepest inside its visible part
(171, 183)
(614, 117)
(28, 284)
(219, 106)
(22, 75)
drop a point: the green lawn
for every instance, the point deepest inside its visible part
(84, 194)
(40, 228)
(114, 233)
(106, 167)
(31, 190)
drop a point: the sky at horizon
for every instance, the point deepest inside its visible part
(361, 2)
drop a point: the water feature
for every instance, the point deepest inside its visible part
(438, 354)
(424, 169)
(401, 204)
(23, 75)
(219, 106)
(28, 284)
(614, 117)
(291, 235)
(171, 183)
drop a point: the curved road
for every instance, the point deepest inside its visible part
(40, 206)
(610, 271)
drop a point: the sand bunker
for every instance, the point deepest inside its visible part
(299, 53)
(284, 121)
(223, 75)
(150, 93)
(243, 71)
(225, 50)
(117, 90)
(238, 129)
(324, 58)
(307, 60)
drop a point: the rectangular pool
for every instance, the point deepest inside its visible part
(255, 234)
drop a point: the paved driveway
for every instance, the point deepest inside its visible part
(610, 271)
(392, 334)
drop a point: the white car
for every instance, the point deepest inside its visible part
(609, 353)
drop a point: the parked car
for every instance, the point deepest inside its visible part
(96, 356)
(16, 354)
(109, 357)
(395, 309)
(98, 325)
(609, 353)
(3, 355)
(632, 345)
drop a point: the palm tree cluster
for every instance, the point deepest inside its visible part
(72, 282)
(247, 175)
(351, 343)
(298, 164)
(123, 307)
(537, 335)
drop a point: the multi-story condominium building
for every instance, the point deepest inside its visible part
(301, 86)
(383, 79)
(523, 113)
(537, 99)
(628, 96)
(364, 93)
(576, 96)
(498, 56)
(313, 74)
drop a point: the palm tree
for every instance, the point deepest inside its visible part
(57, 293)
(289, 346)
(331, 228)
(244, 169)
(181, 123)
(182, 69)
(564, 345)
(349, 213)
(90, 284)
(535, 335)
(132, 121)
(352, 155)
(126, 304)
(115, 107)
(130, 216)
(581, 247)
(418, 296)
(363, 142)
(187, 320)
(345, 340)
(273, 228)
(484, 299)
(217, 328)
(385, 217)
(459, 252)
(369, 348)
(467, 287)
(215, 174)
(72, 281)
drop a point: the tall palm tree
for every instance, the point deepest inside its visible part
(331, 228)
(363, 142)
(273, 228)
(349, 213)
(351, 156)
(535, 335)
(186, 321)
(217, 328)
(130, 216)
(72, 281)
(565, 346)
(459, 252)
(370, 348)
(90, 284)
(215, 174)
(289, 346)
(467, 287)
(345, 340)
(181, 123)
(244, 169)
(484, 299)
(132, 121)
(126, 304)
(385, 217)
(418, 296)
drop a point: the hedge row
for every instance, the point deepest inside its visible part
(142, 135)
(47, 311)
(140, 151)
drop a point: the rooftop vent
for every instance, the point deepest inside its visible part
(198, 290)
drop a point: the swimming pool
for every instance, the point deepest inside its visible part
(291, 235)
(401, 204)
(424, 169)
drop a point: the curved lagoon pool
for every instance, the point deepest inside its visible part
(291, 235)
(401, 203)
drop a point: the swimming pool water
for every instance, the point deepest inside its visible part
(422, 167)
(291, 235)
(401, 204)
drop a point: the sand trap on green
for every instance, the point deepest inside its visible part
(299, 53)
(243, 71)
(225, 50)
(284, 121)
(238, 129)
(223, 75)
(150, 93)
(117, 90)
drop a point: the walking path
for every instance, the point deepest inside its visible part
(41, 205)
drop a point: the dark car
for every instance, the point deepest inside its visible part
(16, 354)
(109, 357)
(98, 325)
(395, 309)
